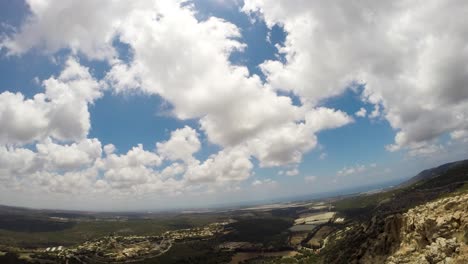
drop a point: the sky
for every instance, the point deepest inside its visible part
(160, 104)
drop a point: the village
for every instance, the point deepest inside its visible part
(125, 249)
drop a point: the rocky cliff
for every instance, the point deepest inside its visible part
(435, 232)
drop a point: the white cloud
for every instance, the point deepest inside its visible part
(265, 183)
(376, 112)
(256, 182)
(190, 69)
(85, 26)
(135, 157)
(292, 172)
(182, 145)
(14, 162)
(286, 144)
(68, 157)
(460, 135)
(231, 164)
(55, 165)
(310, 179)
(172, 170)
(109, 149)
(361, 113)
(80, 168)
(23, 120)
(426, 150)
(322, 118)
(351, 170)
(127, 177)
(61, 112)
(412, 57)
(234, 108)
(357, 169)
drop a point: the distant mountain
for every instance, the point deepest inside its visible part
(433, 172)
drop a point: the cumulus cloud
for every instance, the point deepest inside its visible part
(68, 157)
(82, 167)
(84, 26)
(182, 145)
(14, 161)
(172, 170)
(60, 159)
(264, 183)
(61, 112)
(51, 166)
(362, 112)
(195, 76)
(135, 157)
(355, 169)
(109, 149)
(411, 57)
(286, 144)
(231, 164)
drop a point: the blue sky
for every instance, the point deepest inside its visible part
(345, 150)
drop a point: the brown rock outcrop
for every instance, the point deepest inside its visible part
(434, 233)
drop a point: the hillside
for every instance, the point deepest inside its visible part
(434, 172)
(404, 223)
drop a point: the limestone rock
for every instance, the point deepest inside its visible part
(434, 233)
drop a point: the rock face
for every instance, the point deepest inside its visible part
(434, 233)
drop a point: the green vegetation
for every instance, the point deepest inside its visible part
(304, 257)
(32, 224)
(307, 257)
(268, 231)
(11, 258)
(81, 231)
(449, 180)
(358, 206)
(193, 252)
